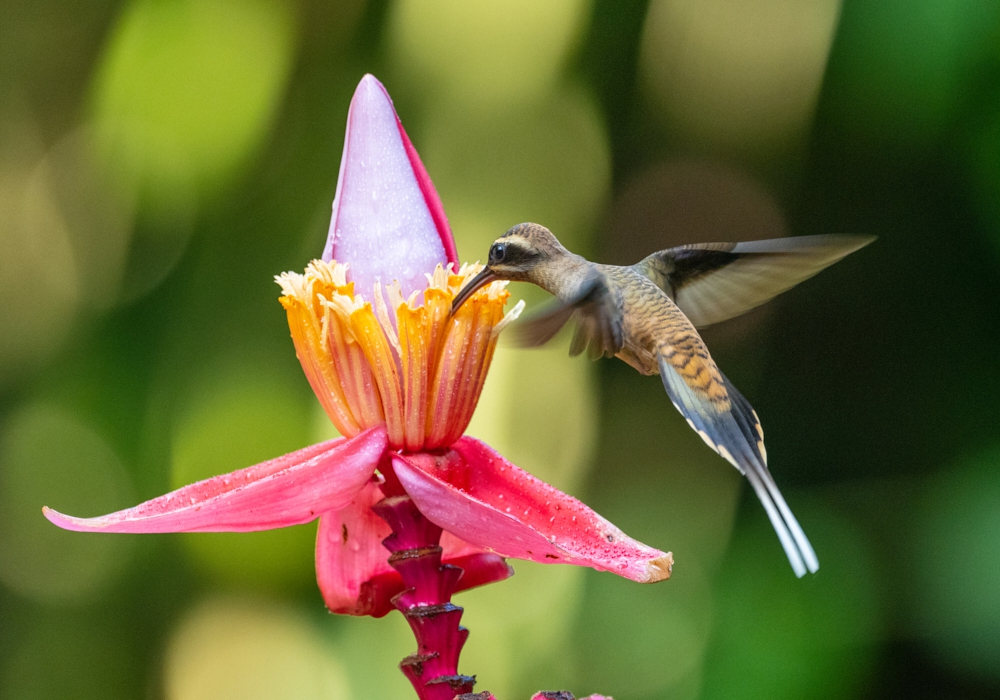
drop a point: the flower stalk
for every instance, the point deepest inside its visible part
(426, 601)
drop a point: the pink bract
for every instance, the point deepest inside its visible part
(289, 490)
(488, 507)
(476, 494)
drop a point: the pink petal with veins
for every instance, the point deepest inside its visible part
(477, 495)
(352, 565)
(388, 223)
(289, 490)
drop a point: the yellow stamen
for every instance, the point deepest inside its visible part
(313, 354)
(420, 376)
(508, 317)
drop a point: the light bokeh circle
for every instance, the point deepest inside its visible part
(49, 457)
(250, 649)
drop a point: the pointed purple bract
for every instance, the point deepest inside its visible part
(388, 223)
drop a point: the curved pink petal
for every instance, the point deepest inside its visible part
(352, 566)
(388, 222)
(476, 494)
(289, 490)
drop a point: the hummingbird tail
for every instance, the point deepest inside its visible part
(794, 541)
(732, 429)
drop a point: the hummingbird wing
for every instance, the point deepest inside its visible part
(598, 313)
(712, 282)
(717, 411)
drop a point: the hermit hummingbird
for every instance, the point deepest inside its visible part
(648, 314)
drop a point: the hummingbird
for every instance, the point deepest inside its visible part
(648, 315)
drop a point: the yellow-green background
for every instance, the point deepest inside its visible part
(161, 160)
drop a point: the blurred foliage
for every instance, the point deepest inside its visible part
(737, 78)
(247, 649)
(218, 69)
(491, 52)
(956, 608)
(161, 160)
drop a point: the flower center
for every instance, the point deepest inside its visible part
(420, 376)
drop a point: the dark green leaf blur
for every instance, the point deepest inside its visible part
(162, 160)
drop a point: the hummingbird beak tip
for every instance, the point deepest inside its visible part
(484, 277)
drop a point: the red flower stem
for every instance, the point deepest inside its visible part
(426, 602)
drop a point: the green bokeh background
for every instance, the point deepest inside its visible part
(161, 160)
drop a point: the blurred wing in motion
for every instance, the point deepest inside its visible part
(598, 322)
(712, 282)
(728, 424)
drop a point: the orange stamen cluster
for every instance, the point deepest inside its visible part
(420, 377)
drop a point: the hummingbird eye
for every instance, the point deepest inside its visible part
(497, 253)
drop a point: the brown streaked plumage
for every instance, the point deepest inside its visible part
(647, 314)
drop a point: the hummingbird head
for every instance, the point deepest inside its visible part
(523, 254)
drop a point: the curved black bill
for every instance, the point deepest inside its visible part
(477, 282)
